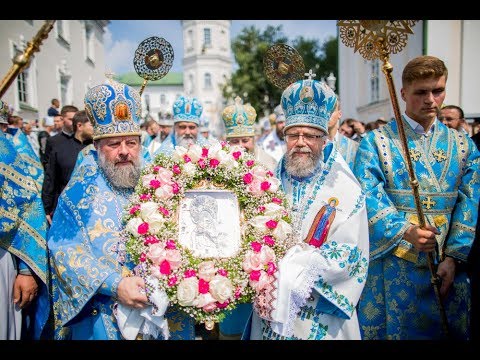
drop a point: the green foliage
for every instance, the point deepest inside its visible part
(249, 81)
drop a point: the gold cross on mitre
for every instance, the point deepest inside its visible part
(310, 74)
(429, 203)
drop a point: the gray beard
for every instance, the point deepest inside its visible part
(185, 140)
(124, 177)
(301, 167)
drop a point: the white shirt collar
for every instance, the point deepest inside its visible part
(417, 128)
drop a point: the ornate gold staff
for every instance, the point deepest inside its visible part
(22, 61)
(153, 59)
(377, 39)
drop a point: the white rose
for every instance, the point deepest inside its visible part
(274, 184)
(194, 153)
(178, 154)
(189, 169)
(132, 226)
(227, 161)
(214, 149)
(147, 209)
(206, 270)
(258, 222)
(187, 291)
(203, 300)
(221, 288)
(164, 192)
(282, 230)
(273, 210)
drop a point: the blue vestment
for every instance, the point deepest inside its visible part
(23, 224)
(398, 301)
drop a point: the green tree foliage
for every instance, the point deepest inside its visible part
(249, 81)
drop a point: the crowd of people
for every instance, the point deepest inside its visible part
(362, 268)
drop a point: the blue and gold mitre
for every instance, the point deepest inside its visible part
(239, 119)
(187, 109)
(308, 102)
(114, 110)
(3, 112)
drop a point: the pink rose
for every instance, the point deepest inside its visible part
(255, 275)
(236, 155)
(223, 143)
(156, 253)
(261, 209)
(265, 185)
(172, 281)
(222, 272)
(134, 209)
(261, 282)
(176, 169)
(238, 292)
(165, 268)
(222, 305)
(143, 228)
(154, 183)
(189, 273)
(247, 178)
(250, 163)
(269, 173)
(186, 158)
(143, 257)
(151, 239)
(170, 244)
(277, 201)
(214, 163)
(252, 262)
(271, 224)
(256, 246)
(271, 267)
(145, 197)
(209, 307)
(175, 188)
(269, 240)
(164, 211)
(201, 164)
(174, 257)
(156, 169)
(204, 152)
(203, 286)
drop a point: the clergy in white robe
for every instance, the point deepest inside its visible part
(321, 278)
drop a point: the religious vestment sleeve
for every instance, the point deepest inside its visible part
(465, 211)
(386, 224)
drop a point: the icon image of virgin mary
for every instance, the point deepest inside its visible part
(322, 223)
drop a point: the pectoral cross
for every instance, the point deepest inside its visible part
(310, 74)
(440, 155)
(429, 203)
(271, 145)
(414, 154)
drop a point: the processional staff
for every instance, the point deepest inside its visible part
(22, 61)
(153, 59)
(377, 39)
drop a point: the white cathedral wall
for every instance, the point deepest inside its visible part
(47, 63)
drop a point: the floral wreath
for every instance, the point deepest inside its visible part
(207, 288)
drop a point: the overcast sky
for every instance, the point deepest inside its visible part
(123, 37)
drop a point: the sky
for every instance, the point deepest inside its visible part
(122, 37)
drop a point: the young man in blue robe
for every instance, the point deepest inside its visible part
(398, 301)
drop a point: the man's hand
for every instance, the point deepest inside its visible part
(131, 292)
(24, 290)
(49, 219)
(422, 239)
(446, 271)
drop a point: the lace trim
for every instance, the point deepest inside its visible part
(300, 295)
(264, 303)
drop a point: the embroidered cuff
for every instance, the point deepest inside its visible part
(110, 285)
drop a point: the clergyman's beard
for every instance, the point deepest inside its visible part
(122, 177)
(185, 140)
(301, 167)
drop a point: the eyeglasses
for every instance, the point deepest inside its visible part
(306, 137)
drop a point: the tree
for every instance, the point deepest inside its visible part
(249, 80)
